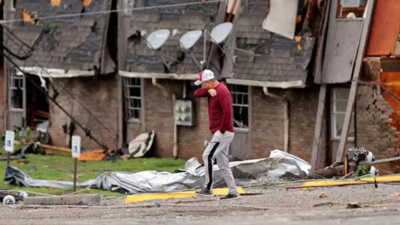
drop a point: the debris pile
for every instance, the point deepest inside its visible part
(278, 165)
(35, 142)
(357, 162)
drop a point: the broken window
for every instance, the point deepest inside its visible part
(339, 107)
(240, 100)
(133, 97)
(16, 91)
(351, 9)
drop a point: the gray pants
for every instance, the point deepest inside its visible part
(218, 148)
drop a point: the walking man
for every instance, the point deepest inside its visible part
(221, 126)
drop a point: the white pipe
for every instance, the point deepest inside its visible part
(184, 89)
(154, 81)
(285, 103)
(175, 149)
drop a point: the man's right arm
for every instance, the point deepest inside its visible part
(200, 93)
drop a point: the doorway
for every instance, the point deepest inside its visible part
(240, 148)
(37, 103)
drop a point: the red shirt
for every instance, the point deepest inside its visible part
(219, 108)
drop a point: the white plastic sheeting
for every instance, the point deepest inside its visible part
(278, 165)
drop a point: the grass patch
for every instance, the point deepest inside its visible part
(60, 167)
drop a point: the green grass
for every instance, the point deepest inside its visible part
(60, 167)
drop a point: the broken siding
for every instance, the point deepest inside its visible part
(269, 57)
(140, 58)
(76, 43)
(341, 47)
(341, 50)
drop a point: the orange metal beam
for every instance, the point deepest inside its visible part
(385, 28)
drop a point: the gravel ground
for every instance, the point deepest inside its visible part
(272, 202)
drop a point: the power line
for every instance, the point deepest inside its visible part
(49, 74)
(87, 132)
(116, 10)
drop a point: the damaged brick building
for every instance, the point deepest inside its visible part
(121, 87)
(68, 56)
(268, 78)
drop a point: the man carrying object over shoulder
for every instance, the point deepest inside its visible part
(221, 127)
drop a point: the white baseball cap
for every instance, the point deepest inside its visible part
(204, 75)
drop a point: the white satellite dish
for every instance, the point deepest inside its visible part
(158, 38)
(221, 32)
(190, 38)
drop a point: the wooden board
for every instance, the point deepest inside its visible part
(321, 43)
(318, 127)
(384, 29)
(350, 104)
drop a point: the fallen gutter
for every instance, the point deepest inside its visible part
(285, 103)
(175, 149)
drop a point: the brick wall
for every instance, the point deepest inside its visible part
(159, 117)
(268, 126)
(100, 98)
(374, 131)
(2, 102)
(267, 122)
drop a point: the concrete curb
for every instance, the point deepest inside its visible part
(92, 199)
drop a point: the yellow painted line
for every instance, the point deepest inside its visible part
(184, 194)
(364, 180)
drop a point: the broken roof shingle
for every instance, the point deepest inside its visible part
(139, 58)
(76, 43)
(275, 58)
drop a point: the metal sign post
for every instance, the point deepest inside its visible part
(76, 151)
(9, 145)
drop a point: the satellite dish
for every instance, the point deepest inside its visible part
(221, 32)
(158, 38)
(190, 38)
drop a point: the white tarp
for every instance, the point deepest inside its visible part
(278, 165)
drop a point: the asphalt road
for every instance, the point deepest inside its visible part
(366, 216)
(274, 206)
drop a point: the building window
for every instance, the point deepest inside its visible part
(240, 100)
(133, 97)
(351, 9)
(16, 91)
(339, 107)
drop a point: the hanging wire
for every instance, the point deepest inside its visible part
(51, 77)
(31, 48)
(116, 10)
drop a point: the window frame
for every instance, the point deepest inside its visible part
(127, 83)
(339, 11)
(233, 89)
(11, 84)
(334, 113)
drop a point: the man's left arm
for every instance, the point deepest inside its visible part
(226, 105)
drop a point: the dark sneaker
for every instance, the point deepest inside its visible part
(230, 196)
(205, 192)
